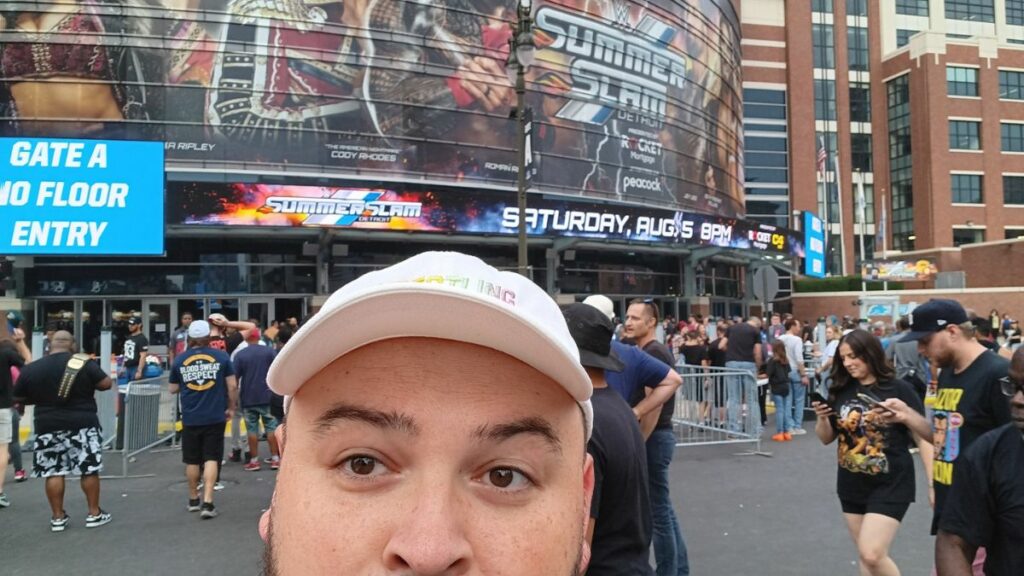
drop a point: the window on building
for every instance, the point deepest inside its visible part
(824, 43)
(764, 104)
(1011, 84)
(857, 47)
(860, 102)
(856, 7)
(912, 7)
(860, 155)
(966, 188)
(963, 236)
(963, 135)
(961, 81)
(824, 99)
(1015, 12)
(903, 36)
(1013, 190)
(1012, 137)
(774, 212)
(1012, 233)
(973, 10)
(900, 166)
(821, 6)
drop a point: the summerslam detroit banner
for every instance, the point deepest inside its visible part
(632, 100)
(464, 212)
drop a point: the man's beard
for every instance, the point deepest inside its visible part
(944, 359)
(270, 567)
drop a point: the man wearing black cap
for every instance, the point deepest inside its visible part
(969, 402)
(620, 512)
(136, 348)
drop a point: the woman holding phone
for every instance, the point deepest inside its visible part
(875, 417)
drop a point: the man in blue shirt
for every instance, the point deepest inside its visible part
(209, 395)
(251, 366)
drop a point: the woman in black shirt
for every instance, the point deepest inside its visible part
(695, 351)
(875, 417)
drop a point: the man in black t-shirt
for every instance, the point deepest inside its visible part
(620, 511)
(62, 387)
(969, 402)
(985, 506)
(669, 546)
(742, 345)
(10, 356)
(136, 348)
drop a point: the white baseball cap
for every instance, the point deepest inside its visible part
(199, 329)
(602, 303)
(445, 295)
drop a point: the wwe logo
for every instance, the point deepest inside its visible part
(620, 13)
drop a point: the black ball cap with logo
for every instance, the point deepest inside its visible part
(932, 316)
(592, 331)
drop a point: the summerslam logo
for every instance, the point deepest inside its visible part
(611, 67)
(343, 209)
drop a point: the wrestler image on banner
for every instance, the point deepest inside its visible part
(946, 426)
(52, 68)
(861, 440)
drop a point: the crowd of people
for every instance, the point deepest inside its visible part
(558, 460)
(217, 367)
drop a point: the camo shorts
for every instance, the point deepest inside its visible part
(68, 453)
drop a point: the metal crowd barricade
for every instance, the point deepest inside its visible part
(717, 406)
(149, 418)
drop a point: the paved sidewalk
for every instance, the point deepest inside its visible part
(742, 515)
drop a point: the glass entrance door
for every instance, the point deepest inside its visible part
(158, 321)
(259, 309)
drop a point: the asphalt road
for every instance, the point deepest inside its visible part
(741, 515)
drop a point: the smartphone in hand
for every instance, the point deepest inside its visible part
(872, 401)
(816, 397)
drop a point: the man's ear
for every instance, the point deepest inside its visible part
(588, 495)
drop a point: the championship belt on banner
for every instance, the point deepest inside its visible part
(74, 366)
(283, 88)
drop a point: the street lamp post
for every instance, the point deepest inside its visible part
(521, 55)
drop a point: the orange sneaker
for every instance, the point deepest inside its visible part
(780, 437)
(787, 436)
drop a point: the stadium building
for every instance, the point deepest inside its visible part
(306, 143)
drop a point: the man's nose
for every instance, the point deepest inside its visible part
(432, 540)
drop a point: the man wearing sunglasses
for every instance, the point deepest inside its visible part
(969, 401)
(985, 507)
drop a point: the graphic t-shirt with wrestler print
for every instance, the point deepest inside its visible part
(967, 405)
(875, 464)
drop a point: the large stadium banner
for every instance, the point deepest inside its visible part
(465, 212)
(631, 100)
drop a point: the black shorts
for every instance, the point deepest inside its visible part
(202, 444)
(895, 510)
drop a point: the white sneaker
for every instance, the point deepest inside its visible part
(798, 432)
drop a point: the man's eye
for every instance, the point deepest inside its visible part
(508, 479)
(365, 466)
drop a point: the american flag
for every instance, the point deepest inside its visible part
(822, 156)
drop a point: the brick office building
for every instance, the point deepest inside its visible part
(920, 101)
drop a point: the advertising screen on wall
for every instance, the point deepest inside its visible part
(81, 197)
(631, 100)
(464, 212)
(814, 242)
(919, 270)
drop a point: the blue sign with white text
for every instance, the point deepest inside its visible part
(81, 197)
(814, 246)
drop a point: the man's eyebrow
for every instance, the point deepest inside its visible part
(534, 426)
(392, 420)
